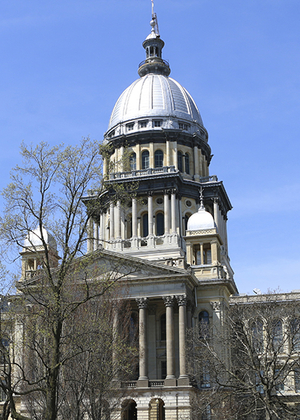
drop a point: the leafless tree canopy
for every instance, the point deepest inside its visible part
(63, 354)
(248, 366)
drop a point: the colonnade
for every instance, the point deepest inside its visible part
(169, 302)
(170, 149)
(99, 231)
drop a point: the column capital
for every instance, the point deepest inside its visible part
(142, 303)
(181, 300)
(168, 301)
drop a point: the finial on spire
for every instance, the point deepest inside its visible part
(154, 22)
(201, 199)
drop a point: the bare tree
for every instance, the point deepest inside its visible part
(260, 377)
(47, 192)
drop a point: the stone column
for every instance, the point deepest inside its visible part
(183, 377)
(118, 220)
(105, 165)
(90, 247)
(189, 253)
(134, 217)
(111, 224)
(150, 215)
(151, 155)
(138, 157)
(167, 212)
(169, 303)
(179, 216)
(216, 215)
(196, 163)
(96, 236)
(101, 230)
(201, 255)
(121, 158)
(173, 211)
(143, 357)
(168, 152)
(175, 160)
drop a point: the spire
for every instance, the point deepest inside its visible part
(153, 46)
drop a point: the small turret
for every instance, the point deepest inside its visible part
(33, 252)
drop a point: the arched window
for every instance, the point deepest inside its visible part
(145, 224)
(163, 327)
(203, 324)
(158, 159)
(145, 159)
(157, 409)
(295, 334)
(132, 161)
(179, 161)
(160, 224)
(257, 335)
(187, 163)
(129, 411)
(277, 337)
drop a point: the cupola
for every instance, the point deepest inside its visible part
(34, 249)
(153, 45)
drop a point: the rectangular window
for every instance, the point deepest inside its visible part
(157, 123)
(143, 124)
(130, 127)
(183, 126)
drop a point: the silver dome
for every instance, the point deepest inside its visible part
(33, 239)
(154, 96)
(201, 220)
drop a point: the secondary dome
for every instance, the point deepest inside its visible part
(201, 220)
(155, 95)
(33, 239)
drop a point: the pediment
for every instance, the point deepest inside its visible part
(132, 268)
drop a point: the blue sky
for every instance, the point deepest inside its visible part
(64, 64)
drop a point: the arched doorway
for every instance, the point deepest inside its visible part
(129, 411)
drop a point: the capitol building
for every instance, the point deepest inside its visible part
(173, 229)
